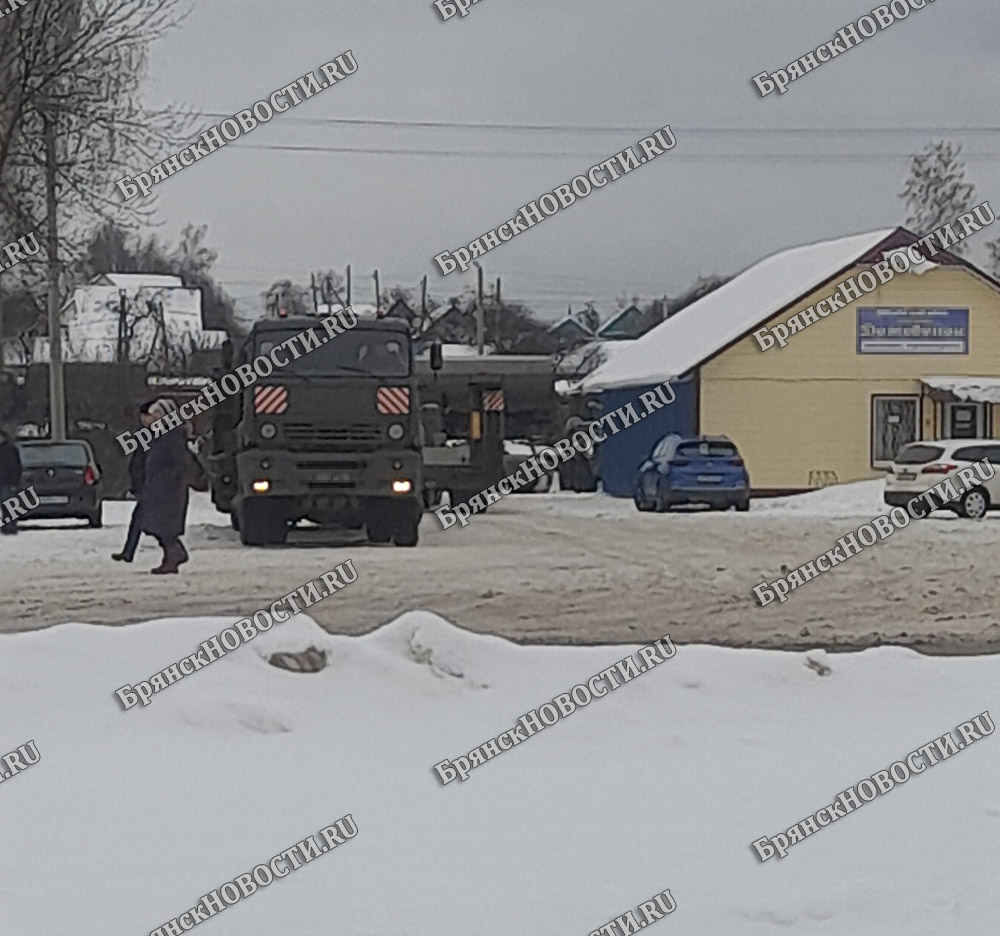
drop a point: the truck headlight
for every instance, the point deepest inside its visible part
(396, 431)
(268, 430)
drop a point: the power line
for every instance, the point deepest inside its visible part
(580, 128)
(494, 154)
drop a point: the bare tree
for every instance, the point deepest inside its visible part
(70, 78)
(936, 192)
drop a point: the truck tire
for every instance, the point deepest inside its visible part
(261, 525)
(378, 523)
(407, 528)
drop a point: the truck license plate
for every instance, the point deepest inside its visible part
(54, 499)
(709, 479)
(907, 476)
(333, 476)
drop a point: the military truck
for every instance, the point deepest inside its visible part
(334, 437)
(468, 406)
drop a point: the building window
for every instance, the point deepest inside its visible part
(895, 423)
(965, 420)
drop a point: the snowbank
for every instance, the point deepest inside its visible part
(130, 817)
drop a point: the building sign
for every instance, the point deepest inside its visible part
(913, 331)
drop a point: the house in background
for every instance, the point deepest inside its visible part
(632, 322)
(916, 358)
(450, 325)
(158, 318)
(572, 330)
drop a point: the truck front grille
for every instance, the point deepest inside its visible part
(314, 436)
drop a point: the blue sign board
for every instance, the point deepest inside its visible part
(913, 331)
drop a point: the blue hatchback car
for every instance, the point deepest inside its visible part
(693, 470)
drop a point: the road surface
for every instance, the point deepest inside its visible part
(547, 569)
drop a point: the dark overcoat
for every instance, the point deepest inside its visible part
(10, 465)
(164, 496)
(137, 471)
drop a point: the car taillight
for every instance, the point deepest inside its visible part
(939, 469)
(736, 460)
(89, 476)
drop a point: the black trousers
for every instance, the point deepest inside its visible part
(134, 532)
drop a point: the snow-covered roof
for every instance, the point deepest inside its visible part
(571, 319)
(695, 333)
(977, 389)
(130, 281)
(453, 351)
(621, 313)
(361, 309)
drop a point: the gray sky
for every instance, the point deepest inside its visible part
(743, 181)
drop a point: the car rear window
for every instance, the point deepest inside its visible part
(919, 454)
(974, 453)
(706, 450)
(58, 456)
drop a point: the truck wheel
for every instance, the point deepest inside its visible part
(407, 531)
(261, 525)
(378, 523)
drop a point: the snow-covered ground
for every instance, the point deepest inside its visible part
(130, 817)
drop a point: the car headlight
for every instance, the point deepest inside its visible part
(396, 431)
(268, 430)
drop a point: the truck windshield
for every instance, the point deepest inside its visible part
(370, 353)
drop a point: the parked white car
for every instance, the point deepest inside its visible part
(922, 465)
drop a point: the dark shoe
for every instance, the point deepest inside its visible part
(121, 557)
(167, 566)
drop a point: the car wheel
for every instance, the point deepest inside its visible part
(641, 503)
(96, 519)
(743, 505)
(974, 504)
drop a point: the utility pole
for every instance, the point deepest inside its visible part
(312, 285)
(423, 303)
(348, 284)
(57, 391)
(122, 306)
(378, 303)
(497, 313)
(480, 325)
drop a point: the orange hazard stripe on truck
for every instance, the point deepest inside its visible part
(272, 399)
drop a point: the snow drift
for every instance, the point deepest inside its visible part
(131, 816)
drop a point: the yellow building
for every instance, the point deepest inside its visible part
(916, 358)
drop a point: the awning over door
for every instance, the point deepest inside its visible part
(972, 389)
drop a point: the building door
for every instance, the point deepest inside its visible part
(964, 420)
(894, 424)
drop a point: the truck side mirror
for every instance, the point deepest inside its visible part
(437, 356)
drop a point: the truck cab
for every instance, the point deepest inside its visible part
(332, 437)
